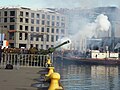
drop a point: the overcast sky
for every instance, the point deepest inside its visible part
(60, 3)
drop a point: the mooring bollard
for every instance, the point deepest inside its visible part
(51, 70)
(50, 80)
(49, 63)
(54, 84)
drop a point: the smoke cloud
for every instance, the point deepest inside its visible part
(88, 30)
(103, 23)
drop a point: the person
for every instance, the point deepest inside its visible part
(96, 56)
(0, 54)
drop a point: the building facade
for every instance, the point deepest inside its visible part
(32, 28)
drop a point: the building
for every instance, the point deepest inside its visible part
(32, 28)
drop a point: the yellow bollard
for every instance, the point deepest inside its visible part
(54, 84)
(49, 62)
(51, 70)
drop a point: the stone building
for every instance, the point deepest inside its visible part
(28, 28)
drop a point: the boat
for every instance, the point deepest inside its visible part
(96, 58)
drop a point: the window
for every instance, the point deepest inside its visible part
(48, 23)
(20, 36)
(43, 16)
(21, 27)
(32, 15)
(57, 37)
(37, 46)
(21, 19)
(42, 38)
(37, 39)
(52, 30)
(58, 18)
(53, 17)
(37, 29)
(52, 38)
(26, 28)
(41, 46)
(26, 36)
(31, 38)
(12, 19)
(48, 30)
(11, 36)
(32, 28)
(21, 13)
(42, 30)
(62, 19)
(38, 15)
(62, 31)
(26, 20)
(5, 19)
(12, 27)
(5, 13)
(27, 14)
(57, 30)
(43, 22)
(53, 23)
(31, 45)
(48, 17)
(5, 27)
(32, 21)
(52, 45)
(37, 22)
(48, 38)
(12, 13)
(57, 24)
(47, 46)
(62, 24)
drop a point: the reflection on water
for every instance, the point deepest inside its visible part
(76, 76)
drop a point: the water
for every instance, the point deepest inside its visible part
(77, 76)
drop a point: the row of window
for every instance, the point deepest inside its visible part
(32, 36)
(41, 46)
(37, 29)
(38, 37)
(8, 13)
(32, 15)
(42, 16)
(43, 22)
(42, 29)
(39, 22)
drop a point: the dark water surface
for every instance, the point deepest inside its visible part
(77, 76)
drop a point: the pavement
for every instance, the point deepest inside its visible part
(18, 79)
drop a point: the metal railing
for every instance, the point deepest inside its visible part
(23, 60)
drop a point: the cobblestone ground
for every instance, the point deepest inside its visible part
(18, 79)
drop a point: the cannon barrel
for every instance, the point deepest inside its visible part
(62, 44)
(51, 50)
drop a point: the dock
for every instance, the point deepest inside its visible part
(18, 79)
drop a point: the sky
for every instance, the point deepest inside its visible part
(36, 4)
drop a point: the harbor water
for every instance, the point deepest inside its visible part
(78, 76)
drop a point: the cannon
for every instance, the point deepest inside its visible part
(51, 50)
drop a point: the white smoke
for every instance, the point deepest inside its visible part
(88, 30)
(103, 23)
(66, 46)
(97, 29)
